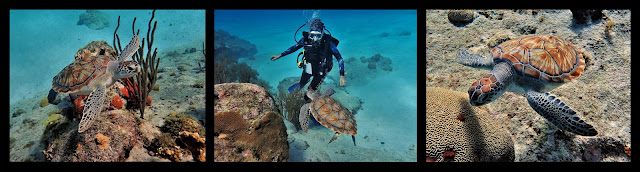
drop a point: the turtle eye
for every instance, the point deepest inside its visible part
(130, 68)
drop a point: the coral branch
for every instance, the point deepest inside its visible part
(141, 85)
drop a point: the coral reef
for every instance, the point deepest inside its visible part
(265, 140)
(250, 100)
(239, 47)
(246, 116)
(607, 108)
(226, 66)
(175, 124)
(457, 131)
(195, 143)
(63, 142)
(95, 48)
(102, 141)
(94, 19)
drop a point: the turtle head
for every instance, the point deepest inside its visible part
(311, 93)
(485, 90)
(127, 69)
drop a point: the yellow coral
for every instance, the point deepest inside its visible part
(44, 102)
(195, 144)
(103, 141)
(452, 124)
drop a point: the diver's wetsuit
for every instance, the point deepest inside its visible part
(319, 57)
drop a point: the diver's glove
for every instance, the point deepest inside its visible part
(343, 82)
(275, 57)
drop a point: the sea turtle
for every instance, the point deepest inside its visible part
(329, 113)
(92, 75)
(531, 65)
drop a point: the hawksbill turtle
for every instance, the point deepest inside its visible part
(91, 76)
(329, 113)
(531, 65)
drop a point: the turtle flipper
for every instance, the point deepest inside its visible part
(52, 95)
(328, 92)
(304, 117)
(474, 60)
(335, 136)
(354, 140)
(94, 104)
(561, 115)
(131, 48)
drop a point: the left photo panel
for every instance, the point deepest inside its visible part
(107, 86)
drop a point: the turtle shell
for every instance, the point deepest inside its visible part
(80, 73)
(331, 114)
(545, 57)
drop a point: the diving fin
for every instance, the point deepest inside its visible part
(294, 87)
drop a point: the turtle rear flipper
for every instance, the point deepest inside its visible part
(52, 96)
(354, 140)
(94, 105)
(561, 115)
(474, 60)
(335, 136)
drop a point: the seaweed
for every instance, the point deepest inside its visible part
(289, 104)
(220, 72)
(146, 79)
(245, 72)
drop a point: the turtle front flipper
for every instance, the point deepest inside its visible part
(130, 49)
(474, 60)
(491, 86)
(561, 115)
(304, 117)
(94, 104)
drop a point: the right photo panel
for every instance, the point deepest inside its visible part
(528, 85)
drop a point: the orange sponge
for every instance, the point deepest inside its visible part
(117, 102)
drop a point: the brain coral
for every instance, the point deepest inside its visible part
(459, 132)
(460, 16)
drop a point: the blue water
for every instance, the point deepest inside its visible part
(43, 42)
(390, 110)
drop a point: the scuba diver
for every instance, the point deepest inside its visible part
(316, 60)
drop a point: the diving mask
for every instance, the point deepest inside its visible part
(315, 35)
